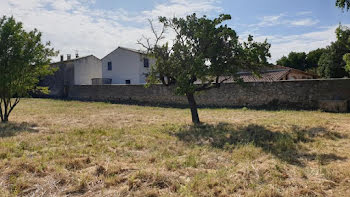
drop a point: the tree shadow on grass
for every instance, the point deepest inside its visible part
(10, 129)
(284, 145)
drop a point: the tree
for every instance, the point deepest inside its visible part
(23, 60)
(313, 57)
(204, 54)
(343, 4)
(332, 64)
(294, 60)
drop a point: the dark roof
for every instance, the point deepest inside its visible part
(72, 60)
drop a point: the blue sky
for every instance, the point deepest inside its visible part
(99, 26)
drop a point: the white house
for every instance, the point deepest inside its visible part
(86, 69)
(126, 66)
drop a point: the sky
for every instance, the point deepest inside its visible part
(99, 26)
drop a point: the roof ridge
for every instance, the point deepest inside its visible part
(133, 50)
(74, 59)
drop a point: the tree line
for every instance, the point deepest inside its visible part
(332, 61)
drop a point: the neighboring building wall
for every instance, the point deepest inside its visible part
(292, 75)
(126, 65)
(298, 94)
(78, 71)
(60, 80)
(86, 69)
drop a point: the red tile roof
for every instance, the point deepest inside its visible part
(272, 75)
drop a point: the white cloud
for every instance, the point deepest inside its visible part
(270, 20)
(182, 8)
(283, 19)
(304, 22)
(283, 45)
(73, 25)
(304, 13)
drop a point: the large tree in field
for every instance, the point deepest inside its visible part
(204, 54)
(23, 60)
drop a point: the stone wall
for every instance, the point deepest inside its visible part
(304, 94)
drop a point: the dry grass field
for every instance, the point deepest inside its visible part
(71, 148)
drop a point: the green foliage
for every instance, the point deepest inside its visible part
(313, 57)
(347, 60)
(302, 61)
(23, 60)
(343, 4)
(294, 60)
(203, 50)
(327, 62)
(205, 53)
(331, 63)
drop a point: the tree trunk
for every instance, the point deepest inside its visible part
(6, 108)
(193, 107)
(1, 114)
(6, 118)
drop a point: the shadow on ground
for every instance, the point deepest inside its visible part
(284, 145)
(11, 129)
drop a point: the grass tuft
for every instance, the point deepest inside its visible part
(71, 148)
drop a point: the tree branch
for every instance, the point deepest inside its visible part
(14, 105)
(158, 37)
(211, 85)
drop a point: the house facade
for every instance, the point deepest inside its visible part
(78, 71)
(126, 66)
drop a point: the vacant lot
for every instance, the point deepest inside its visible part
(69, 148)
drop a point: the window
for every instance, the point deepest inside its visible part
(146, 63)
(127, 81)
(109, 65)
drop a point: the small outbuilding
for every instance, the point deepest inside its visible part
(78, 71)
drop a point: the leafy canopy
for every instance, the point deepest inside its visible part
(294, 60)
(313, 57)
(23, 60)
(347, 61)
(344, 4)
(302, 61)
(204, 54)
(204, 51)
(332, 64)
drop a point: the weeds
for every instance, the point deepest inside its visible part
(68, 148)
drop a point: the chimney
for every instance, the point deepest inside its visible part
(68, 56)
(62, 58)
